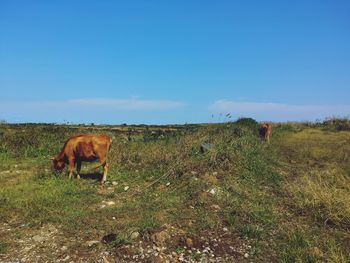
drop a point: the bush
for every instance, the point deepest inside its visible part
(250, 122)
(338, 124)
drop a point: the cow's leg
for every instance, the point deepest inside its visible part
(105, 171)
(104, 164)
(71, 167)
(268, 137)
(78, 169)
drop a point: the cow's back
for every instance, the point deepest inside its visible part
(88, 147)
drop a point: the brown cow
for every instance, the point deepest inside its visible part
(265, 131)
(83, 148)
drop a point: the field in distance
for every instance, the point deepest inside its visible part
(179, 193)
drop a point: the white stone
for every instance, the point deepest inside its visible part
(134, 235)
(92, 243)
(213, 191)
(38, 238)
(64, 248)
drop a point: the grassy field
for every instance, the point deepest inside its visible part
(248, 201)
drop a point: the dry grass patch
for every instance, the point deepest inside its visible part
(326, 193)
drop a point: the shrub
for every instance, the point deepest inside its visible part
(338, 124)
(249, 122)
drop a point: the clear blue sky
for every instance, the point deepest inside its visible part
(173, 61)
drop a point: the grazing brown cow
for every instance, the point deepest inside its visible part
(83, 148)
(265, 131)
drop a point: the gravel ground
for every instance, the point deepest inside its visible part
(48, 244)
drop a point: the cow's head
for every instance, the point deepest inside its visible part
(263, 129)
(58, 164)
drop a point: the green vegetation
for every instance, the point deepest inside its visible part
(289, 198)
(3, 246)
(342, 124)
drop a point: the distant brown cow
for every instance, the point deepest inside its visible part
(265, 131)
(83, 148)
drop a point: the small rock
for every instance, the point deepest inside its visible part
(66, 258)
(92, 243)
(26, 249)
(215, 207)
(38, 238)
(213, 191)
(114, 183)
(110, 203)
(225, 229)
(126, 188)
(64, 248)
(160, 238)
(134, 235)
(52, 229)
(216, 191)
(204, 147)
(189, 242)
(113, 218)
(246, 255)
(109, 238)
(168, 183)
(316, 252)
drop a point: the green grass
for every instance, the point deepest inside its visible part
(38, 201)
(297, 249)
(3, 246)
(251, 231)
(290, 198)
